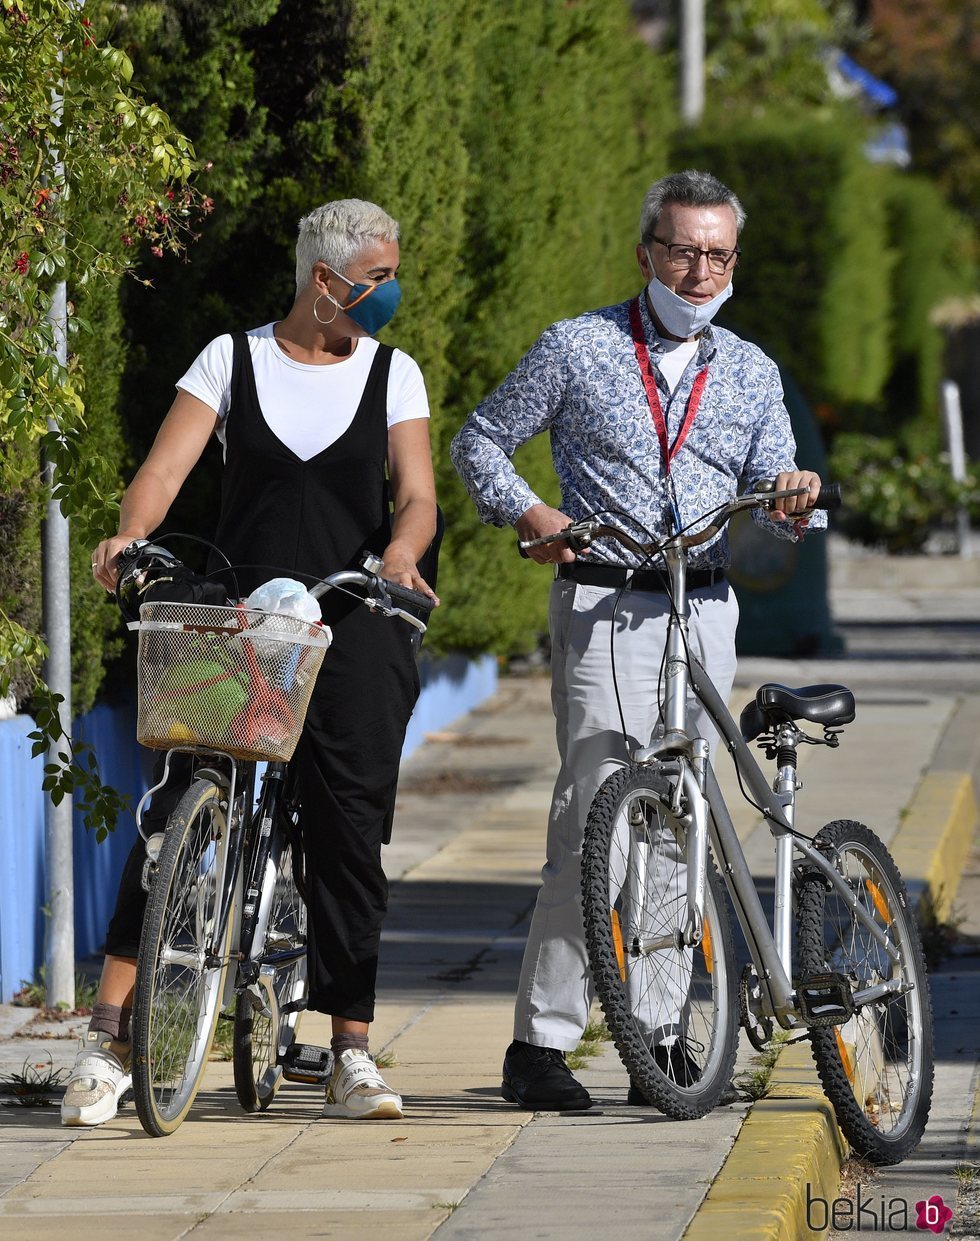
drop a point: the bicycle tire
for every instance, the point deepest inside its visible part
(623, 907)
(261, 1038)
(177, 995)
(877, 1069)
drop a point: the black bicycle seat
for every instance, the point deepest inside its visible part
(827, 705)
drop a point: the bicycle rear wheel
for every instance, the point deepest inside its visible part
(671, 1009)
(263, 1030)
(180, 971)
(877, 1069)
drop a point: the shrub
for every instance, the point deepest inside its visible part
(896, 500)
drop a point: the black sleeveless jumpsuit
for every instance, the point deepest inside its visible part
(315, 517)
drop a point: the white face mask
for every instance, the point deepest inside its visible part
(682, 318)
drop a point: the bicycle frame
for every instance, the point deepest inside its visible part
(770, 949)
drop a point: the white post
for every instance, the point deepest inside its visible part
(953, 422)
(692, 45)
(59, 955)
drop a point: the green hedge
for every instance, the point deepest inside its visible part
(932, 242)
(484, 129)
(813, 283)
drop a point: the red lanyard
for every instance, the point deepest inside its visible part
(669, 451)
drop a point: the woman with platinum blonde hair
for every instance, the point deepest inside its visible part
(326, 458)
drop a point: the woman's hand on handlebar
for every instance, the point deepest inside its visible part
(398, 566)
(795, 507)
(105, 559)
(538, 521)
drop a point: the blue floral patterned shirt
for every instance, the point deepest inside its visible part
(581, 382)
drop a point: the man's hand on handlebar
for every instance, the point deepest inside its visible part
(793, 508)
(536, 523)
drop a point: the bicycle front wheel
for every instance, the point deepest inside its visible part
(671, 1008)
(264, 1030)
(180, 971)
(877, 1069)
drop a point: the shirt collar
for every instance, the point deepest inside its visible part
(707, 342)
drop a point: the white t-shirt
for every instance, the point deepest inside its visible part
(674, 359)
(307, 407)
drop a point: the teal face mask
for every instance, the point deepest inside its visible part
(371, 306)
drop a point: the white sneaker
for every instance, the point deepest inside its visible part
(98, 1081)
(358, 1091)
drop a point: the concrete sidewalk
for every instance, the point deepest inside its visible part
(464, 868)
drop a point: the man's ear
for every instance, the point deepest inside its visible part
(644, 261)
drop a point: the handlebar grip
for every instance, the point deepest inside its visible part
(405, 595)
(829, 496)
(521, 552)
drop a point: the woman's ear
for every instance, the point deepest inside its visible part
(320, 277)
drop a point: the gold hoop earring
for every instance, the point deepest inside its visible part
(336, 311)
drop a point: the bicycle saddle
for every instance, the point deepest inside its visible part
(829, 705)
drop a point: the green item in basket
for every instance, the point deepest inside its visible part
(202, 694)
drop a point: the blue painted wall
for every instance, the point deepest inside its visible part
(450, 688)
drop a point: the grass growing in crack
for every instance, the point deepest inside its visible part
(446, 1206)
(34, 1085)
(594, 1035)
(939, 935)
(34, 994)
(385, 1059)
(755, 1082)
(966, 1173)
(223, 1047)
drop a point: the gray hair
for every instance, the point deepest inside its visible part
(689, 188)
(337, 232)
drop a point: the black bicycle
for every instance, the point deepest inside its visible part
(226, 687)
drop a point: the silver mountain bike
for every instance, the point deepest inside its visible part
(852, 980)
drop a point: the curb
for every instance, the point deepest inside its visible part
(789, 1143)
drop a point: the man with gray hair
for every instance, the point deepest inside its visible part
(659, 417)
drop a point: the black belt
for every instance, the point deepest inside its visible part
(644, 579)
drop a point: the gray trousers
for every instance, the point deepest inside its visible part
(555, 990)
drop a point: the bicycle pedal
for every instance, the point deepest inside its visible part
(304, 1062)
(825, 999)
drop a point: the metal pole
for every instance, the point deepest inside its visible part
(59, 953)
(692, 46)
(953, 421)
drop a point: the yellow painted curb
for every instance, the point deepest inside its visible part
(788, 1146)
(934, 840)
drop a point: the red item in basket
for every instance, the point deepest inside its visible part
(266, 720)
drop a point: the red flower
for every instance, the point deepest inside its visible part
(126, 239)
(157, 251)
(22, 264)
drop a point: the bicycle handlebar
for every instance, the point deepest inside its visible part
(580, 535)
(381, 594)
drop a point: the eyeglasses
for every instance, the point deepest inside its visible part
(719, 261)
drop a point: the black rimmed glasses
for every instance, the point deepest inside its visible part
(719, 261)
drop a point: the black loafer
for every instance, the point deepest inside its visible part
(539, 1080)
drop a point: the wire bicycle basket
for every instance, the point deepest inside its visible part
(225, 678)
